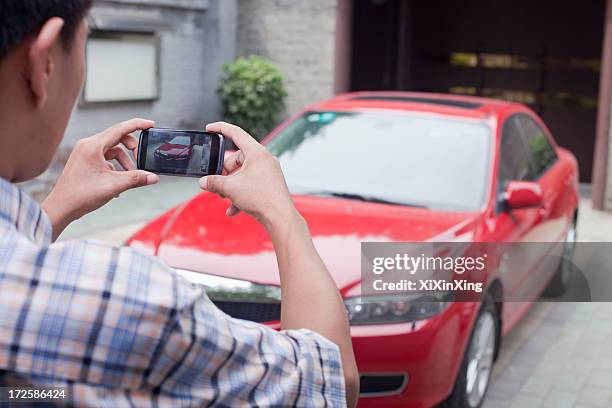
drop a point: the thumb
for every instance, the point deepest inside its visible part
(214, 184)
(134, 178)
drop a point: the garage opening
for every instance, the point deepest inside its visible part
(545, 53)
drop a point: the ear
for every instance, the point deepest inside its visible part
(40, 58)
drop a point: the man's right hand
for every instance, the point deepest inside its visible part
(252, 179)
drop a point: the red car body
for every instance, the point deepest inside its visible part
(198, 236)
(173, 154)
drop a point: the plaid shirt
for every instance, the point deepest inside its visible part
(121, 329)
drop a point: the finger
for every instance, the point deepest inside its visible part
(242, 139)
(119, 154)
(233, 162)
(110, 166)
(127, 180)
(232, 211)
(113, 135)
(130, 143)
(214, 184)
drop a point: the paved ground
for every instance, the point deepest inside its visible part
(125, 215)
(559, 356)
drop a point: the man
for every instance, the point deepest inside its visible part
(118, 328)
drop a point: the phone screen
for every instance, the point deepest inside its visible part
(180, 152)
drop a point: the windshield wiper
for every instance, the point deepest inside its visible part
(362, 197)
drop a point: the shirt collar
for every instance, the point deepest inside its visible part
(21, 212)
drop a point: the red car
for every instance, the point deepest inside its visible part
(174, 154)
(395, 167)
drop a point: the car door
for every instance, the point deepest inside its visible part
(516, 225)
(552, 224)
(543, 169)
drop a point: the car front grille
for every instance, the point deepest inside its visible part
(259, 312)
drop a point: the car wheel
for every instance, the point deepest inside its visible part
(475, 372)
(560, 282)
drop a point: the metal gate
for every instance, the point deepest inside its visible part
(543, 53)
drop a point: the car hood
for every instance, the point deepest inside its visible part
(199, 236)
(173, 149)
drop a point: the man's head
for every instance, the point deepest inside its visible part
(42, 69)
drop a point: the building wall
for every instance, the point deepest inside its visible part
(602, 169)
(197, 37)
(607, 188)
(299, 37)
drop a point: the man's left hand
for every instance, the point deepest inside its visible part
(89, 180)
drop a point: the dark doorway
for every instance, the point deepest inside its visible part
(543, 53)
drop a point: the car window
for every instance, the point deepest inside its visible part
(542, 153)
(407, 158)
(181, 140)
(514, 158)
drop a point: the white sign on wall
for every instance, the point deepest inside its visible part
(122, 67)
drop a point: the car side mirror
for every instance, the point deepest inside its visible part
(523, 194)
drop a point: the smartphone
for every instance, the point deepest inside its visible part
(181, 152)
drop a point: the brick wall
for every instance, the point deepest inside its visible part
(299, 37)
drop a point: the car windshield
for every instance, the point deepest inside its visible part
(181, 140)
(408, 159)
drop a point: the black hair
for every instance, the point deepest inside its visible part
(21, 18)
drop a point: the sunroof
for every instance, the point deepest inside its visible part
(431, 101)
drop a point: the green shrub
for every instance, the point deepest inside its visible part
(252, 93)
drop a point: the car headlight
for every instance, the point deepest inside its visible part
(220, 288)
(364, 310)
(369, 310)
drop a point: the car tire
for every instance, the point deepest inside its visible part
(560, 281)
(476, 368)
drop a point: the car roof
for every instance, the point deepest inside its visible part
(455, 105)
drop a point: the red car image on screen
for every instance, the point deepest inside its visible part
(396, 167)
(174, 154)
